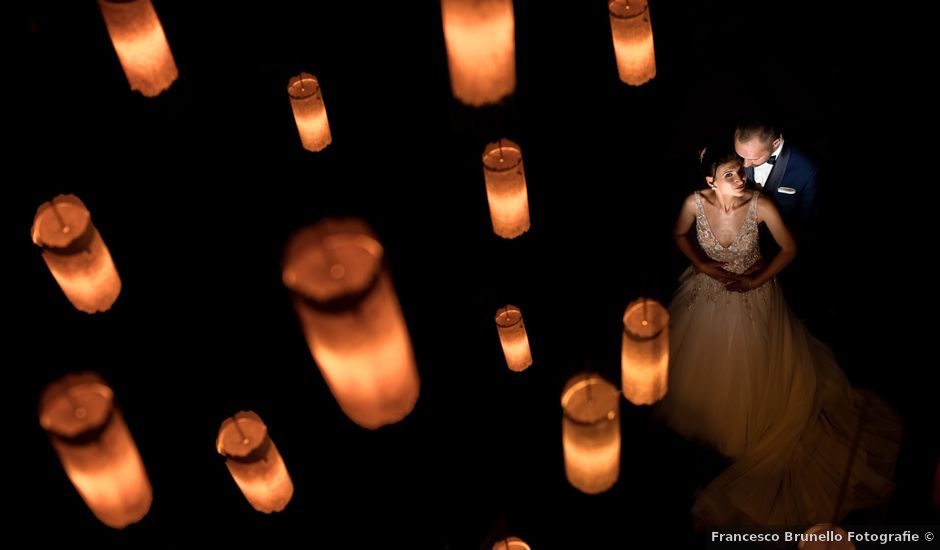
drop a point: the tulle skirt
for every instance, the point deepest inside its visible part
(747, 378)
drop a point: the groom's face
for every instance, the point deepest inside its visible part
(754, 151)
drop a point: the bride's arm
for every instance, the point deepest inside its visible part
(767, 212)
(683, 235)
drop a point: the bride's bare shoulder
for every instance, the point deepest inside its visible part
(766, 208)
(708, 195)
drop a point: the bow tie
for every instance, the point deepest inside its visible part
(772, 160)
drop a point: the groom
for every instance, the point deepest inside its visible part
(788, 177)
(784, 173)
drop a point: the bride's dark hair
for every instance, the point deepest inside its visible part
(715, 155)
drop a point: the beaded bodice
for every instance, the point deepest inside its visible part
(744, 249)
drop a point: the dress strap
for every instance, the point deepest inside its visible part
(753, 211)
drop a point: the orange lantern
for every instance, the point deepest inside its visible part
(254, 462)
(309, 112)
(513, 337)
(480, 37)
(591, 433)
(96, 449)
(506, 189)
(75, 254)
(633, 40)
(140, 44)
(512, 543)
(825, 536)
(350, 315)
(645, 352)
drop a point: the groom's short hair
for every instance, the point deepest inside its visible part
(762, 130)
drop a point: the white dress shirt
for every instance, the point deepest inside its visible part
(762, 172)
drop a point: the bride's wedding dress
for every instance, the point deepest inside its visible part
(747, 378)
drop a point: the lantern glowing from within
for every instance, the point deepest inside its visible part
(633, 40)
(254, 462)
(825, 536)
(506, 189)
(309, 112)
(512, 543)
(513, 337)
(140, 44)
(591, 433)
(480, 37)
(75, 254)
(350, 315)
(95, 448)
(645, 352)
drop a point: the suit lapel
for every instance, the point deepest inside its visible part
(749, 172)
(779, 169)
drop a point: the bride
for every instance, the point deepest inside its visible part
(748, 379)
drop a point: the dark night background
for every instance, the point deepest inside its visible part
(196, 191)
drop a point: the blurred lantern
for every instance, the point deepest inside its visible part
(513, 337)
(633, 40)
(75, 254)
(309, 112)
(350, 315)
(96, 449)
(591, 433)
(254, 462)
(825, 536)
(140, 44)
(645, 352)
(512, 543)
(506, 189)
(481, 50)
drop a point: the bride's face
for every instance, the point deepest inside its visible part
(729, 179)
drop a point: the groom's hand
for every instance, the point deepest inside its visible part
(742, 283)
(717, 271)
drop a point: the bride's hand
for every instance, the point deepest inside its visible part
(717, 271)
(742, 283)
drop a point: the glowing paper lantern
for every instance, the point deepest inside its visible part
(633, 40)
(309, 112)
(513, 337)
(350, 315)
(95, 448)
(140, 44)
(645, 352)
(254, 462)
(506, 189)
(75, 254)
(512, 543)
(591, 433)
(825, 536)
(480, 37)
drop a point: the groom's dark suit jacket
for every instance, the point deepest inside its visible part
(792, 186)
